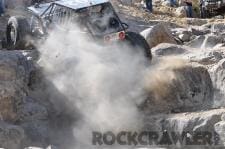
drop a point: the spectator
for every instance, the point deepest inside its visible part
(149, 5)
(202, 8)
(188, 8)
(173, 3)
(2, 8)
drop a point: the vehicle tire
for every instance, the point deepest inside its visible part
(17, 32)
(136, 40)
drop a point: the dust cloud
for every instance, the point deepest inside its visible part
(161, 76)
(103, 81)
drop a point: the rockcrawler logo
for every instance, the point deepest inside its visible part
(155, 138)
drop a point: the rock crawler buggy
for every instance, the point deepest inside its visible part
(98, 17)
(211, 8)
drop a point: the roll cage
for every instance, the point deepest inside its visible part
(93, 21)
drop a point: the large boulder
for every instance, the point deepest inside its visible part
(197, 42)
(14, 80)
(166, 3)
(220, 129)
(166, 49)
(11, 136)
(188, 125)
(211, 41)
(218, 27)
(178, 87)
(218, 74)
(158, 34)
(182, 33)
(31, 114)
(180, 12)
(199, 30)
(185, 37)
(34, 119)
(126, 2)
(206, 57)
(190, 121)
(196, 21)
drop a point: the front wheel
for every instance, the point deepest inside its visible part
(17, 33)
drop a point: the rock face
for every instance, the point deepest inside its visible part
(126, 2)
(220, 128)
(188, 122)
(200, 30)
(218, 75)
(158, 34)
(197, 42)
(183, 83)
(183, 34)
(14, 77)
(11, 136)
(16, 106)
(211, 41)
(166, 49)
(185, 37)
(219, 71)
(178, 88)
(180, 12)
(28, 113)
(196, 21)
(218, 28)
(166, 3)
(206, 37)
(209, 57)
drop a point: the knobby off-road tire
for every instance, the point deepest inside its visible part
(138, 42)
(17, 33)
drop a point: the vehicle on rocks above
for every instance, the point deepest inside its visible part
(211, 8)
(96, 17)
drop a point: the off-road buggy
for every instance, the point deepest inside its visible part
(97, 18)
(211, 8)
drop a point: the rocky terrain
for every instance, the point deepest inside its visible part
(183, 89)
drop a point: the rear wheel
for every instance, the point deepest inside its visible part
(138, 42)
(17, 32)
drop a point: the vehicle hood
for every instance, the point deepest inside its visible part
(39, 10)
(77, 4)
(73, 4)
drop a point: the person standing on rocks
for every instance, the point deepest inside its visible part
(2, 8)
(188, 8)
(173, 3)
(149, 5)
(202, 8)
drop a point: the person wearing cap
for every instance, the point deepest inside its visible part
(2, 8)
(149, 5)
